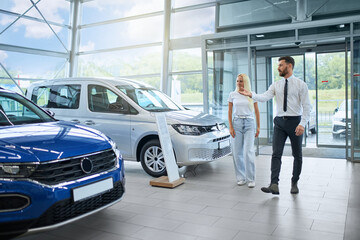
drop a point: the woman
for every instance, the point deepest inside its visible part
(242, 129)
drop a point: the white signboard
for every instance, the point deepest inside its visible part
(167, 149)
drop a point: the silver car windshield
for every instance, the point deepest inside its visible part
(16, 110)
(150, 99)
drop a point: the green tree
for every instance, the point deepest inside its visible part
(331, 71)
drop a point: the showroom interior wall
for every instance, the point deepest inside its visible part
(171, 44)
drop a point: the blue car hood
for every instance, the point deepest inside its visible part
(48, 141)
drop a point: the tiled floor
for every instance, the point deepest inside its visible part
(209, 205)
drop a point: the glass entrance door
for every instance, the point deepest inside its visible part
(332, 101)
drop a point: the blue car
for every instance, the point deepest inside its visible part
(52, 172)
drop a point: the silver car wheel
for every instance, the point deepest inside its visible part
(154, 159)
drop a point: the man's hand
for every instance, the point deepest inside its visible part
(299, 130)
(245, 92)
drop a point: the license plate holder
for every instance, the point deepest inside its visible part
(92, 189)
(223, 144)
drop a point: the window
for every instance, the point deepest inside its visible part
(193, 23)
(124, 63)
(58, 96)
(102, 99)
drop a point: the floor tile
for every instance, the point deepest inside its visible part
(210, 205)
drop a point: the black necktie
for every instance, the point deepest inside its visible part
(285, 95)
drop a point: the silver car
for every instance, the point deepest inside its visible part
(339, 120)
(125, 110)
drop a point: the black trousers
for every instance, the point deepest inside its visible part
(285, 127)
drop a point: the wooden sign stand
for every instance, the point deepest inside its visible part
(173, 178)
(164, 182)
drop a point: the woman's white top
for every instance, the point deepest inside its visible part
(241, 106)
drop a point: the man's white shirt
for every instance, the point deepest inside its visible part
(298, 102)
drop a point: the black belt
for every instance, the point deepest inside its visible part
(290, 117)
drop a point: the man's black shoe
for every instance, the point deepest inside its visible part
(273, 188)
(294, 188)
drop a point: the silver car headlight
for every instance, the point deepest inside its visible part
(188, 129)
(14, 170)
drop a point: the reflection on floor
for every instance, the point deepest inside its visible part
(311, 150)
(209, 205)
(322, 152)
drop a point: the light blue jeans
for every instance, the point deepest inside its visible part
(243, 149)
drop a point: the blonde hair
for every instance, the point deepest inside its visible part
(247, 86)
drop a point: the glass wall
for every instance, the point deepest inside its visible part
(99, 10)
(129, 39)
(227, 64)
(189, 21)
(254, 12)
(122, 39)
(130, 63)
(120, 34)
(355, 106)
(193, 22)
(34, 46)
(187, 85)
(241, 14)
(320, 60)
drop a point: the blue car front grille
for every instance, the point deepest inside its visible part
(68, 209)
(65, 210)
(55, 172)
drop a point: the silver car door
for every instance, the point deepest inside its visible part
(109, 113)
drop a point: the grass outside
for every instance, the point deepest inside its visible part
(328, 100)
(187, 98)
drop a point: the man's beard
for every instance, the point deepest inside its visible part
(283, 73)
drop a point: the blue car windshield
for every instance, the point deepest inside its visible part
(17, 110)
(150, 99)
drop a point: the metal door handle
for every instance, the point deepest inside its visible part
(89, 122)
(75, 121)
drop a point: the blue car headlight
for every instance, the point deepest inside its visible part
(114, 148)
(13, 170)
(116, 151)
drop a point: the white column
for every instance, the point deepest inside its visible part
(75, 37)
(165, 84)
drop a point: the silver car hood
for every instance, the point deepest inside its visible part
(192, 118)
(342, 114)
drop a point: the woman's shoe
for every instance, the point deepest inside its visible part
(241, 182)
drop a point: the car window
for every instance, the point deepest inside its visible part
(40, 96)
(16, 110)
(149, 99)
(102, 99)
(57, 96)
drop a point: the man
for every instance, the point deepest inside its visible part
(292, 114)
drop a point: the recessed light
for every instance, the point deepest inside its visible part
(260, 35)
